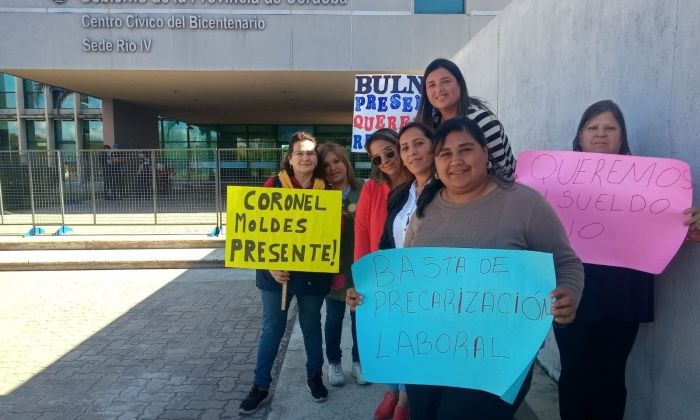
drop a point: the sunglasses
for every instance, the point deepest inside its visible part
(387, 153)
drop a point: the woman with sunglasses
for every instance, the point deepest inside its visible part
(300, 170)
(387, 174)
(444, 95)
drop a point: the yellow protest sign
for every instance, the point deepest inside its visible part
(283, 229)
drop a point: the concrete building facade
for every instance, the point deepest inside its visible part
(274, 62)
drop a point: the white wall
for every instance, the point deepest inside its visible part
(540, 64)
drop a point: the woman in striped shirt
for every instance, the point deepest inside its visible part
(444, 95)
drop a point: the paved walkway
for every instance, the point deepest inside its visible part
(126, 344)
(156, 343)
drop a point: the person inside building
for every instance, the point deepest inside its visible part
(444, 95)
(472, 203)
(387, 174)
(108, 173)
(595, 347)
(301, 170)
(341, 177)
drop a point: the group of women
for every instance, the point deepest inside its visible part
(446, 179)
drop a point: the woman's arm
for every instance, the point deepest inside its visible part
(362, 215)
(546, 234)
(496, 139)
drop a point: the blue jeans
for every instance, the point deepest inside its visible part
(335, 312)
(274, 325)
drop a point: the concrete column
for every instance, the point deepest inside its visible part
(21, 128)
(78, 122)
(48, 109)
(129, 126)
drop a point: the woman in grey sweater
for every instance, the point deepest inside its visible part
(471, 203)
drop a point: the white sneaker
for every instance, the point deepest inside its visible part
(357, 374)
(335, 374)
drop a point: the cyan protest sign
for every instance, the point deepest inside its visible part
(468, 318)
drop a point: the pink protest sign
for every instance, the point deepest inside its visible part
(624, 211)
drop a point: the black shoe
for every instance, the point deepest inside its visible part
(319, 393)
(256, 397)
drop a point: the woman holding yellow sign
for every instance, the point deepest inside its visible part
(300, 170)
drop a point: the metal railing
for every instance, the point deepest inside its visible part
(128, 187)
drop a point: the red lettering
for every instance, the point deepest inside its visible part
(357, 121)
(380, 122)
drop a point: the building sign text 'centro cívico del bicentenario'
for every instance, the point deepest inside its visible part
(109, 28)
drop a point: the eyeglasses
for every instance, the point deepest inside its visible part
(387, 153)
(300, 155)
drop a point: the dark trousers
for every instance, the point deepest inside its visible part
(274, 325)
(335, 312)
(428, 402)
(593, 358)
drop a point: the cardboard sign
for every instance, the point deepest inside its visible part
(283, 229)
(469, 318)
(624, 211)
(383, 101)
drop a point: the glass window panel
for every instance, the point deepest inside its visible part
(204, 135)
(341, 134)
(9, 136)
(439, 6)
(7, 83)
(8, 100)
(8, 96)
(64, 132)
(262, 136)
(66, 102)
(36, 135)
(174, 131)
(232, 136)
(92, 134)
(90, 102)
(176, 145)
(33, 95)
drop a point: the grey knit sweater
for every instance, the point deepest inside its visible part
(513, 218)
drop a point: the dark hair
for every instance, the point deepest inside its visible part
(296, 138)
(466, 125)
(593, 111)
(429, 115)
(386, 134)
(325, 148)
(425, 129)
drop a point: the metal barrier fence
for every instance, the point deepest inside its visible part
(129, 187)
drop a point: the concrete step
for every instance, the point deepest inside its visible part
(111, 259)
(17, 243)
